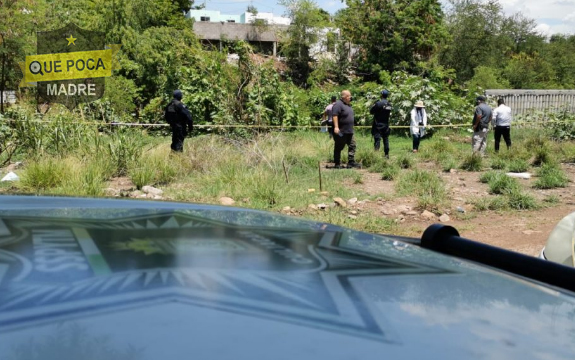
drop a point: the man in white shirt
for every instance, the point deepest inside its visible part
(502, 124)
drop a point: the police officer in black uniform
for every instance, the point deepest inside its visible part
(178, 116)
(381, 112)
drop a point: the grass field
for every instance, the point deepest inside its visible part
(278, 170)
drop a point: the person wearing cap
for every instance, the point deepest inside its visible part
(502, 124)
(327, 116)
(343, 121)
(481, 119)
(381, 112)
(418, 124)
(178, 116)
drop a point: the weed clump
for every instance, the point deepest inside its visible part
(518, 165)
(44, 174)
(550, 176)
(427, 186)
(502, 184)
(491, 203)
(472, 162)
(498, 164)
(405, 162)
(520, 200)
(390, 172)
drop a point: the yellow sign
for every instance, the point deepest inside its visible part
(68, 66)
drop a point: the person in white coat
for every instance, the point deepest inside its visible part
(418, 124)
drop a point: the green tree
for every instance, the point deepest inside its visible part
(306, 20)
(392, 34)
(482, 35)
(474, 27)
(560, 53)
(526, 71)
(488, 78)
(252, 9)
(16, 40)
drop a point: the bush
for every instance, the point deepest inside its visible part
(542, 156)
(448, 163)
(472, 162)
(503, 184)
(489, 176)
(125, 148)
(390, 172)
(491, 203)
(427, 186)
(367, 157)
(562, 126)
(85, 179)
(405, 162)
(44, 174)
(551, 176)
(519, 200)
(518, 166)
(498, 164)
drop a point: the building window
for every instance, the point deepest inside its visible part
(204, 18)
(232, 21)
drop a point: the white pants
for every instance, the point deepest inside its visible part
(480, 141)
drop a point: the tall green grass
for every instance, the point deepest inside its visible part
(501, 184)
(44, 174)
(427, 186)
(472, 162)
(550, 176)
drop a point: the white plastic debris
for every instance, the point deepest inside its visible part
(11, 176)
(519, 175)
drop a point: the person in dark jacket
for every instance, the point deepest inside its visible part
(178, 116)
(381, 112)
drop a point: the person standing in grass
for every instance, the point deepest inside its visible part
(380, 129)
(343, 121)
(178, 116)
(418, 124)
(502, 124)
(327, 117)
(481, 119)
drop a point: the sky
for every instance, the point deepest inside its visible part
(552, 16)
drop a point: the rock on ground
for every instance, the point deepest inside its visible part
(444, 218)
(428, 215)
(340, 202)
(152, 190)
(227, 201)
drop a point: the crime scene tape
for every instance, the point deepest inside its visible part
(518, 124)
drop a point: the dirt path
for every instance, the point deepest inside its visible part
(522, 231)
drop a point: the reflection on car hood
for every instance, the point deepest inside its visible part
(113, 279)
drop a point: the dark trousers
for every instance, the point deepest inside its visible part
(341, 140)
(178, 135)
(416, 139)
(505, 131)
(379, 134)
